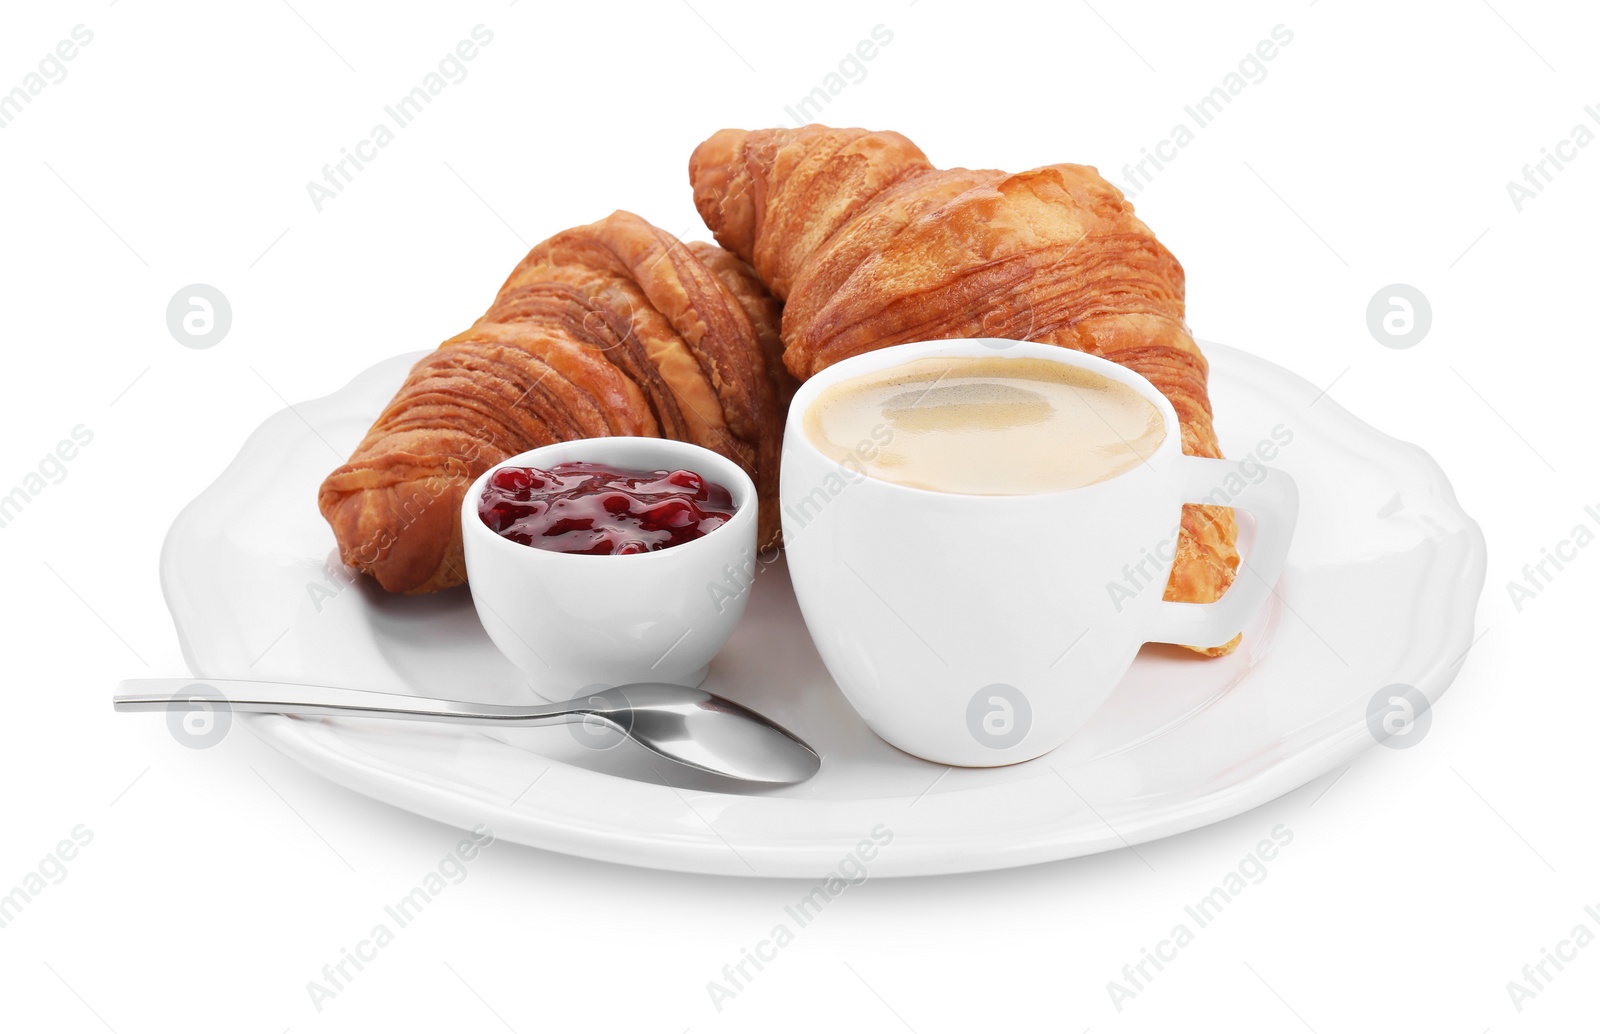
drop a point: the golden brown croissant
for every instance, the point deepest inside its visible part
(869, 245)
(615, 328)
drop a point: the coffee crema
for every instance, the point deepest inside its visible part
(985, 425)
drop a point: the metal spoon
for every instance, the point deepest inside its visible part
(688, 726)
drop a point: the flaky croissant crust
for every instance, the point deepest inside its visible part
(615, 328)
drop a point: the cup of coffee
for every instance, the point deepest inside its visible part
(956, 514)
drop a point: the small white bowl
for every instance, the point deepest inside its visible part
(573, 622)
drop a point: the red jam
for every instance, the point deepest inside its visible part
(602, 510)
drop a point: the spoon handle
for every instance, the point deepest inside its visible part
(288, 698)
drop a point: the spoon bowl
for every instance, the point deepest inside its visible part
(706, 732)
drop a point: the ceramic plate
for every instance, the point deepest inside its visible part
(1380, 589)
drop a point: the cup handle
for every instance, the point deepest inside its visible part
(1275, 502)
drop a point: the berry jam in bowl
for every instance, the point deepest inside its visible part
(602, 510)
(602, 562)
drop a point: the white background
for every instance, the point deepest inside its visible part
(1376, 151)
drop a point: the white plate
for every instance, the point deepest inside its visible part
(1381, 586)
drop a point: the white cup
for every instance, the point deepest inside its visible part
(985, 630)
(572, 622)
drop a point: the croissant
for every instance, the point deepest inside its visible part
(867, 244)
(614, 328)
